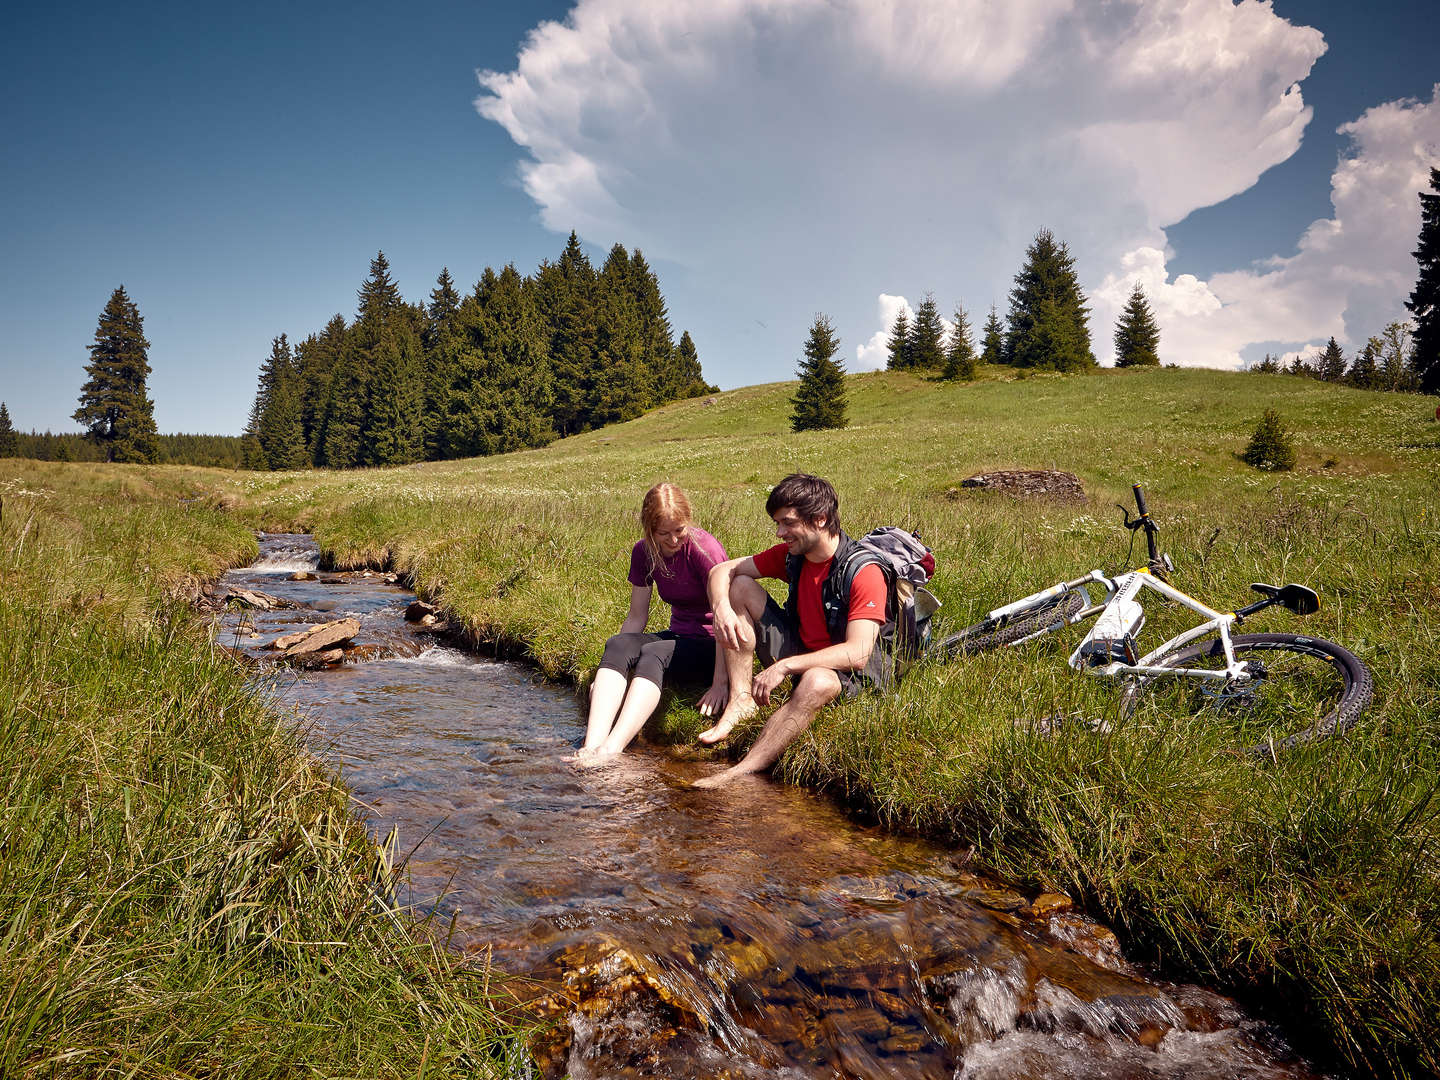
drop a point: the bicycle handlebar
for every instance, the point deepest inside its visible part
(1139, 500)
(1149, 526)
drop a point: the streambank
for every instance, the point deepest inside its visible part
(184, 890)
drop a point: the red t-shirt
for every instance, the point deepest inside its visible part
(867, 593)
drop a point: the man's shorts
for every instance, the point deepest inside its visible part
(776, 638)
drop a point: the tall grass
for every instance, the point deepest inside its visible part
(1309, 886)
(183, 890)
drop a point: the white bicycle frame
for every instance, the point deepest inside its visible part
(1127, 586)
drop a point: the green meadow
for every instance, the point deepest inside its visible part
(1308, 887)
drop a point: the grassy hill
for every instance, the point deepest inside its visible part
(1309, 885)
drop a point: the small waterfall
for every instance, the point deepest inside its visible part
(285, 553)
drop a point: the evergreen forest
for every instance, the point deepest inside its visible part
(515, 363)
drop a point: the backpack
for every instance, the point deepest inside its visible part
(907, 565)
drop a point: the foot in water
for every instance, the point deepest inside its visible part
(720, 779)
(741, 707)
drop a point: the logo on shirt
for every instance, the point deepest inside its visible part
(870, 603)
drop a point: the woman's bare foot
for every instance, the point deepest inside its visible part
(741, 707)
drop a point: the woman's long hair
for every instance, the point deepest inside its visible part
(663, 502)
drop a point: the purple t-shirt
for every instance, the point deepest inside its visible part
(681, 581)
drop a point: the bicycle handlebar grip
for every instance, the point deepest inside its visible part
(1139, 499)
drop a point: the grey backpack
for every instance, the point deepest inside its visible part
(907, 565)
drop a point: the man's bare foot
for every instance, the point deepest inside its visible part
(741, 707)
(715, 780)
(720, 779)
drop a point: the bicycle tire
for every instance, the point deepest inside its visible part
(987, 635)
(1310, 689)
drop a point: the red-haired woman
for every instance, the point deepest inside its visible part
(674, 556)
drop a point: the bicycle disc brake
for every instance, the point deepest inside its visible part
(1238, 693)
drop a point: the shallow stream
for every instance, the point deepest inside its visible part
(754, 931)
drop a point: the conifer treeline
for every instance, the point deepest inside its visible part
(1388, 361)
(1047, 324)
(212, 451)
(515, 363)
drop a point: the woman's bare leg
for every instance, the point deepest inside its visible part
(640, 702)
(606, 694)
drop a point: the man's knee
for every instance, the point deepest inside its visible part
(817, 687)
(748, 595)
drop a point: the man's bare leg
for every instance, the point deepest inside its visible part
(747, 597)
(814, 690)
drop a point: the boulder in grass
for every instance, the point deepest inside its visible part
(317, 638)
(418, 610)
(1030, 484)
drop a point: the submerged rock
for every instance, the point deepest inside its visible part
(256, 599)
(317, 638)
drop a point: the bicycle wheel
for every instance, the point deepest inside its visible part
(1300, 690)
(993, 634)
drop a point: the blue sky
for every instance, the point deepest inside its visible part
(236, 170)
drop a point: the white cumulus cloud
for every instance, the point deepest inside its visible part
(1348, 278)
(779, 157)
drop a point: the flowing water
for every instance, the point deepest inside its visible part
(667, 931)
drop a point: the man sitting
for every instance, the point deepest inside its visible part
(822, 639)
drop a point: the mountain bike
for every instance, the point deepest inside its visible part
(1278, 690)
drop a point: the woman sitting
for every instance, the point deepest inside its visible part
(675, 556)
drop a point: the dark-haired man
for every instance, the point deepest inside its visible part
(824, 638)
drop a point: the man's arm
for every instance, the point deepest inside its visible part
(852, 654)
(727, 623)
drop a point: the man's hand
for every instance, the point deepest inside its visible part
(729, 627)
(767, 681)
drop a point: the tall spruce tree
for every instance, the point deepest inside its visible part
(927, 336)
(819, 400)
(567, 304)
(1048, 319)
(1136, 336)
(627, 373)
(276, 415)
(688, 373)
(317, 359)
(387, 348)
(501, 396)
(899, 343)
(657, 340)
(960, 351)
(992, 349)
(1424, 302)
(439, 348)
(8, 441)
(1331, 367)
(114, 407)
(1364, 372)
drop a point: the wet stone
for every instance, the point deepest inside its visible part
(908, 1042)
(1047, 904)
(304, 575)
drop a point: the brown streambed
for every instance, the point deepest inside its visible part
(750, 932)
